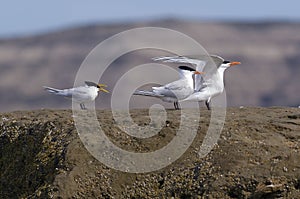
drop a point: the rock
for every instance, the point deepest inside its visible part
(42, 156)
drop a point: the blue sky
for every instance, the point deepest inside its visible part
(19, 18)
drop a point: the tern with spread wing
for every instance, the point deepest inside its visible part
(81, 94)
(206, 86)
(174, 91)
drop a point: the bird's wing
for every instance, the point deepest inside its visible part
(176, 85)
(147, 93)
(199, 78)
(78, 92)
(202, 81)
(182, 59)
(200, 64)
(199, 60)
(217, 59)
(62, 92)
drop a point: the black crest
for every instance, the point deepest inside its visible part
(186, 68)
(226, 62)
(91, 84)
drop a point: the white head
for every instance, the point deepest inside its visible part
(227, 64)
(221, 70)
(100, 87)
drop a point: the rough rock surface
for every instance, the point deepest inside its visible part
(257, 156)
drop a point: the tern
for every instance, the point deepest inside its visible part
(81, 94)
(174, 91)
(206, 86)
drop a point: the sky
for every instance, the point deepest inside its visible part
(19, 18)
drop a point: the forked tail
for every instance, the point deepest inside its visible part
(52, 90)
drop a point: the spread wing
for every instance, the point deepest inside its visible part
(200, 64)
(182, 59)
(217, 59)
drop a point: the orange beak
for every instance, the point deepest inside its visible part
(234, 63)
(198, 72)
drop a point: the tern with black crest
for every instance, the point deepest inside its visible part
(211, 83)
(80, 94)
(174, 91)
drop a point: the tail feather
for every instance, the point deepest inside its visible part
(52, 90)
(147, 93)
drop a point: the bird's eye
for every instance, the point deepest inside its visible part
(226, 62)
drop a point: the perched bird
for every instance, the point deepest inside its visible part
(81, 94)
(174, 91)
(206, 86)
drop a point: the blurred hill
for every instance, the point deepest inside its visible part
(268, 76)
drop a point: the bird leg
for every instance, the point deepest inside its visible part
(176, 105)
(207, 103)
(82, 106)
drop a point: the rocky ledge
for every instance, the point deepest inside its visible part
(257, 156)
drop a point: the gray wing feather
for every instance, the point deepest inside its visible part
(182, 59)
(217, 59)
(176, 85)
(147, 93)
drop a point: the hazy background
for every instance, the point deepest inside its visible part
(44, 43)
